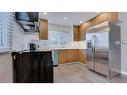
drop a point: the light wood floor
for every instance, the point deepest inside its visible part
(78, 73)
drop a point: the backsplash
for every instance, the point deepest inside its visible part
(45, 44)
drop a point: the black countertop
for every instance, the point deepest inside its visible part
(33, 51)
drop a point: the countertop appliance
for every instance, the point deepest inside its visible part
(33, 47)
(104, 49)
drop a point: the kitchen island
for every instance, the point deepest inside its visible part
(32, 67)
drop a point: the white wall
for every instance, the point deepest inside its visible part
(123, 25)
(21, 40)
(6, 68)
(17, 38)
(30, 37)
(59, 27)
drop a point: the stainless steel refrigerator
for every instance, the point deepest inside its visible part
(103, 51)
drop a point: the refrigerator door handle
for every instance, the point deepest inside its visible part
(94, 43)
(95, 39)
(93, 49)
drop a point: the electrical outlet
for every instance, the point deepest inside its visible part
(124, 42)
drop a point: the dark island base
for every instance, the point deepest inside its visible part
(32, 67)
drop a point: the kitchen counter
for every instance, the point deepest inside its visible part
(66, 48)
(32, 51)
(42, 50)
(61, 49)
(61, 56)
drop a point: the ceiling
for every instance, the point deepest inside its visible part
(67, 18)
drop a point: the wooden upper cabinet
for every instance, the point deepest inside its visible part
(75, 33)
(43, 33)
(114, 16)
(107, 16)
(81, 32)
(103, 17)
(92, 22)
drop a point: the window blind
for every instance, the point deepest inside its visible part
(6, 28)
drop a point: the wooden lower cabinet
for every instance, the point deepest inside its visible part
(60, 56)
(82, 56)
(71, 55)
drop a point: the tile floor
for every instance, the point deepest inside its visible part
(78, 73)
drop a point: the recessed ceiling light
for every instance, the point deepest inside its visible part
(65, 18)
(45, 13)
(80, 21)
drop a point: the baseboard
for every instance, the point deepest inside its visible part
(124, 73)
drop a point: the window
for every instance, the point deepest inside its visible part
(59, 38)
(6, 28)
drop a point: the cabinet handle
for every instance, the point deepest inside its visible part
(14, 57)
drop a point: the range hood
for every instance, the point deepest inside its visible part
(28, 21)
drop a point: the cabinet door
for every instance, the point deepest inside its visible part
(34, 67)
(41, 68)
(48, 67)
(82, 56)
(26, 67)
(114, 16)
(61, 56)
(21, 67)
(75, 33)
(82, 32)
(43, 33)
(74, 55)
(70, 55)
(111, 16)
(92, 22)
(17, 68)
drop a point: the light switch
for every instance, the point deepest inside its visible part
(117, 42)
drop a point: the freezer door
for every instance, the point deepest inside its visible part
(90, 51)
(102, 62)
(90, 58)
(102, 53)
(115, 50)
